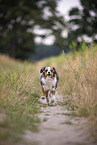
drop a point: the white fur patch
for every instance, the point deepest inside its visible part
(53, 97)
(49, 83)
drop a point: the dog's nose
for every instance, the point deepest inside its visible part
(48, 73)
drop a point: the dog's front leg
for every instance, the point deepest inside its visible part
(43, 93)
(53, 97)
(47, 98)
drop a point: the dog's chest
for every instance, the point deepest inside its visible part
(49, 84)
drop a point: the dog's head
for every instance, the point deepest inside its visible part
(48, 71)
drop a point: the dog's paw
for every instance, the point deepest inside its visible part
(53, 86)
(48, 104)
(50, 95)
(52, 102)
(42, 97)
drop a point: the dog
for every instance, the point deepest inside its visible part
(49, 82)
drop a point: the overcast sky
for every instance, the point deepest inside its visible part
(63, 6)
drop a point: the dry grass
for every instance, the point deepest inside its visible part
(78, 80)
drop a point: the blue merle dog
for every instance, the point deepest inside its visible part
(49, 82)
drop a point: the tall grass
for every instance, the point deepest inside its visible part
(79, 81)
(19, 93)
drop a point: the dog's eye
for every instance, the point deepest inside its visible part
(46, 70)
(51, 70)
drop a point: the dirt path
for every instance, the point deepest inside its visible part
(59, 129)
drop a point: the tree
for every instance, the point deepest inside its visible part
(83, 22)
(18, 19)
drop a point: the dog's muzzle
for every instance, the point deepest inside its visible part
(49, 74)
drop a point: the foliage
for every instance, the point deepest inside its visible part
(18, 21)
(73, 46)
(83, 21)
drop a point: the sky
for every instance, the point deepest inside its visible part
(63, 7)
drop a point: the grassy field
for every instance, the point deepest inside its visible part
(20, 90)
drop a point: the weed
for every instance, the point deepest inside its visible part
(67, 122)
(47, 114)
(45, 119)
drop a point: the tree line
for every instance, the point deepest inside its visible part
(20, 18)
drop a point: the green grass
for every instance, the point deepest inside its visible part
(45, 119)
(19, 96)
(67, 122)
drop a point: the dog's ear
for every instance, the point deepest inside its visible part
(42, 69)
(54, 70)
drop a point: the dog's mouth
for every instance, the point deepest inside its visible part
(48, 74)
